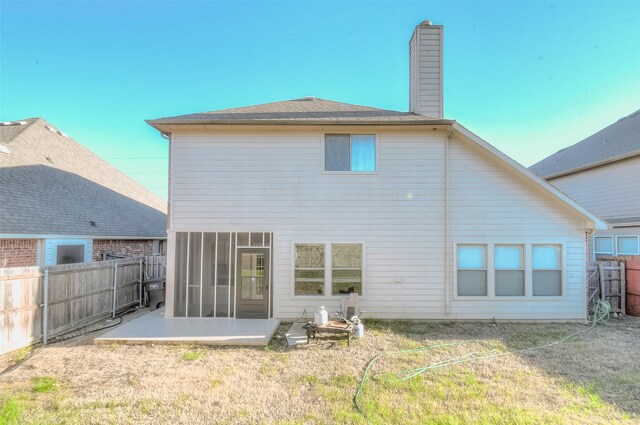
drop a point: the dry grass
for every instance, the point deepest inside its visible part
(594, 379)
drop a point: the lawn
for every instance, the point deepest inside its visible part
(593, 378)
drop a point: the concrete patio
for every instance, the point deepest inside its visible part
(153, 328)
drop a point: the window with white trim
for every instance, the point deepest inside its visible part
(328, 268)
(547, 270)
(346, 269)
(509, 270)
(472, 270)
(627, 245)
(350, 152)
(603, 246)
(517, 270)
(309, 269)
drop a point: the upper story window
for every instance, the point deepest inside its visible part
(350, 152)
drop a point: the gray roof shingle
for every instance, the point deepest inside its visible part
(50, 184)
(307, 110)
(620, 139)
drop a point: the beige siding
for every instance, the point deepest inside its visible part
(611, 191)
(273, 181)
(425, 71)
(489, 205)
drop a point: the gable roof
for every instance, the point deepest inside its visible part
(52, 185)
(315, 111)
(304, 111)
(597, 222)
(618, 141)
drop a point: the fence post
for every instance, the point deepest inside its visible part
(623, 288)
(140, 283)
(115, 284)
(45, 312)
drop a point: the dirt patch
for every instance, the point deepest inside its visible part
(593, 378)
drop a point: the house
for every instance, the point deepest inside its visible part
(602, 172)
(60, 203)
(279, 208)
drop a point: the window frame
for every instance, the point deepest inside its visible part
(50, 249)
(361, 268)
(523, 268)
(376, 136)
(485, 269)
(528, 271)
(615, 244)
(328, 271)
(561, 270)
(324, 269)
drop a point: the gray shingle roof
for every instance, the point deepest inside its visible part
(620, 139)
(50, 184)
(307, 110)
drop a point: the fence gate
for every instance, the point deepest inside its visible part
(609, 286)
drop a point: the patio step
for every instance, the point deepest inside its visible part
(296, 334)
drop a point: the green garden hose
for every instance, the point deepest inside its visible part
(602, 311)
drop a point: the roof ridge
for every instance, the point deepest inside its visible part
(29, 121)
(299, 99)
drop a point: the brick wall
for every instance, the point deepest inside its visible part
(123, 248)
(18, 252)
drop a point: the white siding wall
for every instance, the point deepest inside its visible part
(272, 181)
(611, 191)
(425, 71)
(488, 205)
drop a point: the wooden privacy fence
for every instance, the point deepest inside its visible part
(41, 302)
(155, 267)
(606, 280)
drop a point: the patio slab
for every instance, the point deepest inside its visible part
(153, 328)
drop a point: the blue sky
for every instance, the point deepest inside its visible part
(529, 77)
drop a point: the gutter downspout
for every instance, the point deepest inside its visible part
(447, 274)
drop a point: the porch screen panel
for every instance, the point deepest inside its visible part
(232, 288)
(195, 262)
(224, 267)
(208, 274)
(337, 152)
(180, 276)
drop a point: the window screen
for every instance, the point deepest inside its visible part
(346, 269)
(69, 254)
(627, 245)
(309, 269)
(547, 270)
(337, 152)
(344, 152)
(472, 270)
(509, 265)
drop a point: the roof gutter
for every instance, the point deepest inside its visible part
(163, 126)
(38, 236)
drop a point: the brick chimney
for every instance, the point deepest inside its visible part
(425, 70)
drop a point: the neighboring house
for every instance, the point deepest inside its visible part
(602, 172)
(279, 208)
(60, 203)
